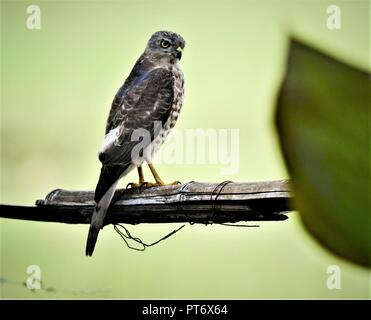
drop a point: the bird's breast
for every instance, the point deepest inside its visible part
(178, 96)
(176, 107)
(178, 89)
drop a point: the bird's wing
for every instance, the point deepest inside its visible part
(148, 101)
(132, 80)
(137, 106)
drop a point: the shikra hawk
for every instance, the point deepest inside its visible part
(142, 114)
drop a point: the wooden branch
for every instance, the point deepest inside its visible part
(192, 202)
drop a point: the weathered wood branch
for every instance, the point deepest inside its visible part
(192, 202)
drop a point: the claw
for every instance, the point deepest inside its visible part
(151, 184)
(161, 184)
(145, 184)
(133, 185)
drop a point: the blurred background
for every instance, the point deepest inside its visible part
(57, 84)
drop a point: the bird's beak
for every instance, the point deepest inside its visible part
(178, 54)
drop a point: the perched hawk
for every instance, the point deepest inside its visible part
(147, 104)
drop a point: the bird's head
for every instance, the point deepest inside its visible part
(166, 46)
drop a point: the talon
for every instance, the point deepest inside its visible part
(162, 184)
(144, 184)
(133, 185)
(151, 184)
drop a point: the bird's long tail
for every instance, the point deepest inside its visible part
(104, 192)
(97, 219)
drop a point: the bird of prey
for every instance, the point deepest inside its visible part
(149, 102)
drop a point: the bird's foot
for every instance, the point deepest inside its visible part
(161, 184)
(134, 185)
(145, 184)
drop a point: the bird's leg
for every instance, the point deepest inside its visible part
(141, 179)
(155, 175)
(144, 184)
(158, 180)
(141, 176)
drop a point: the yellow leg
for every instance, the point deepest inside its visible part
(141, 179)
(155, 175)
(158, 180)
(141, 176)
(144, 184)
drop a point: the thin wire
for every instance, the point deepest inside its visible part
(213, 201)
(238, 225)
(127, 236)
(185, 186)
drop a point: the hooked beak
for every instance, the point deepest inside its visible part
(178, 53)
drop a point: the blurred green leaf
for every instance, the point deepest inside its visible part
(323, 124)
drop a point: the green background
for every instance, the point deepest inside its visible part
(57, 84)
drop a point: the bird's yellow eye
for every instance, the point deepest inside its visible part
(165, 44)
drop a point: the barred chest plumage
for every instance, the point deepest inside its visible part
(178, 99)
(174, 112)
